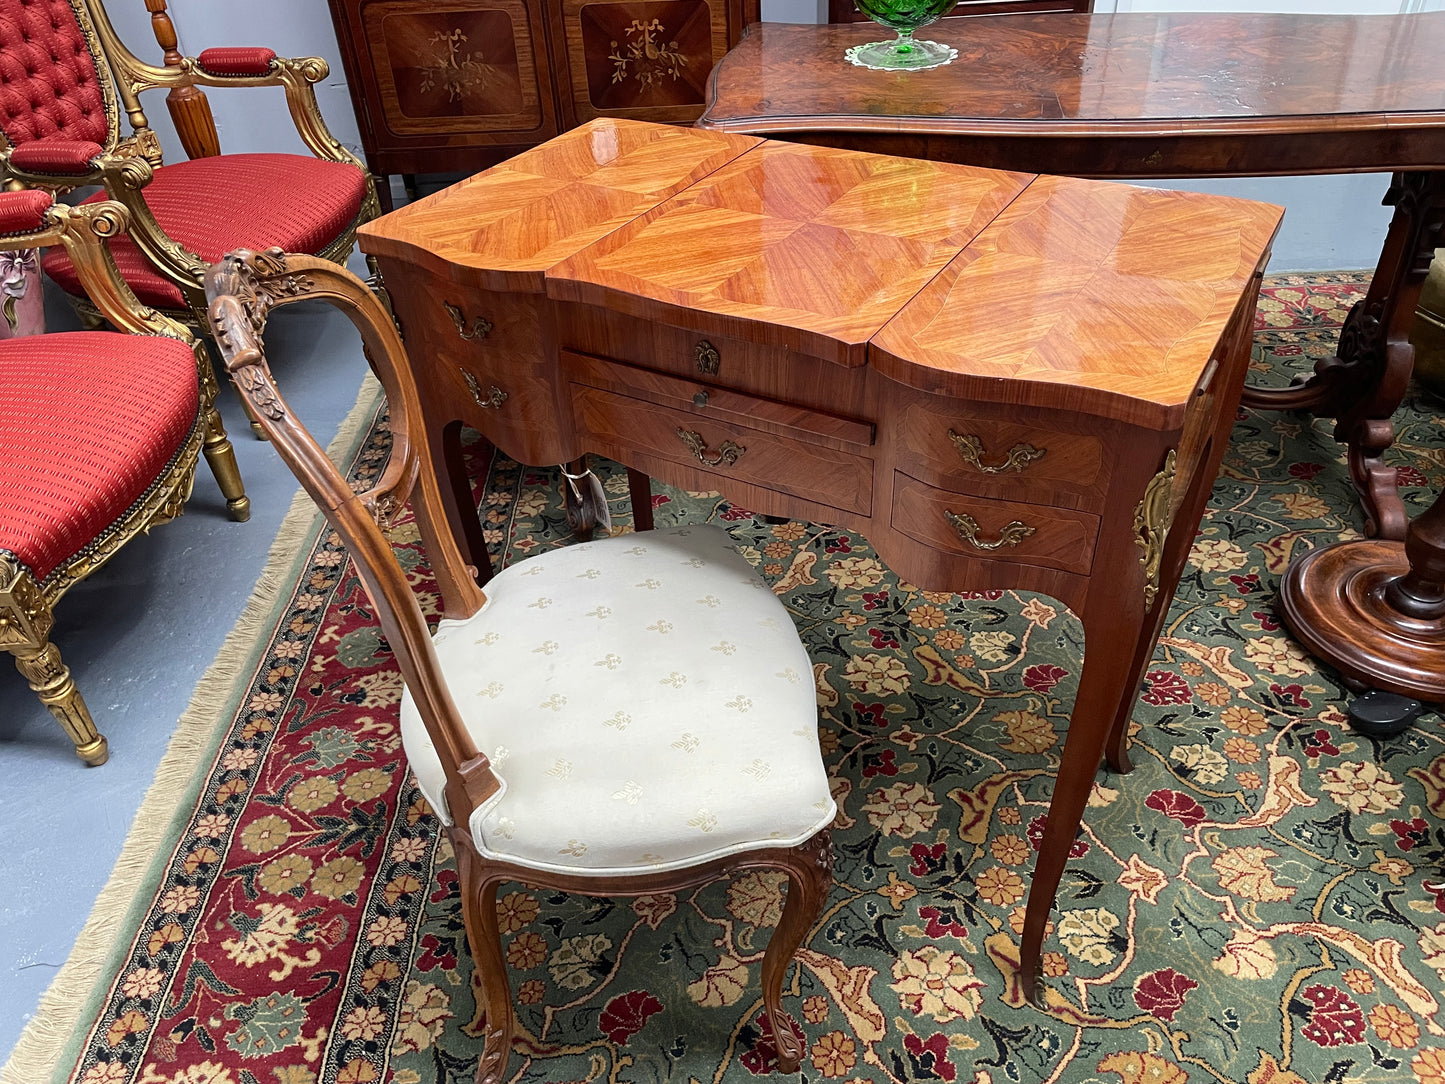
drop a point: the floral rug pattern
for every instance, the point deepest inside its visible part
(1260, 901)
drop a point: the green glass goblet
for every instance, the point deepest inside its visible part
(904, 53)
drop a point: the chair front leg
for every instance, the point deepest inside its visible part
(810, 877)
(222, 459)
(50, 678)
(479, 916)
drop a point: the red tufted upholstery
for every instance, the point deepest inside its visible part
(48, 82)
(237, 60)
(23, 212)
(88, 419)
(213, 205)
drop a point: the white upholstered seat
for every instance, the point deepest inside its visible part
(645, 702)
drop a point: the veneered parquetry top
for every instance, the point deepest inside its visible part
(1004, 286)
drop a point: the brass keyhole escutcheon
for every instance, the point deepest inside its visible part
(970, 449)
(478, 329)
(727, 452)
(707, 357)
(967, 527)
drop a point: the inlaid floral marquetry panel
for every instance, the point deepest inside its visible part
(627, 59)
(462, 67)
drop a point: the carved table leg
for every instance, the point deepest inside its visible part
(1365, 383)
(1375, 609)
(639, 492)
(454, 485)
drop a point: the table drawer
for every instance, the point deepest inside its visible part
(997, 456)
(717, 360)
(992, 529)
(616, 424)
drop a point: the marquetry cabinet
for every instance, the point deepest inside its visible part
(459, 85)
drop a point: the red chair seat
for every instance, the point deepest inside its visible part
(88, 420)
(214, 205)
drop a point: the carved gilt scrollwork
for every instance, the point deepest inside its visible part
(727, 454)
(1011, 534)
(1151, 525)
(25, 616)
(970, 449)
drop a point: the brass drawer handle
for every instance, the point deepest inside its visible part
(727, 452)
(707, 357)
(967, 527)
(970, 448)
(494, 398)
(480, 329)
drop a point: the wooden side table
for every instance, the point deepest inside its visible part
(1001, 380)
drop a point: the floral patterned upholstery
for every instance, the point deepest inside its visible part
(646, 703)
(88, 421)
(48, 83)
(214, 205)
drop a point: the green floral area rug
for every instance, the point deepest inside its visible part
(1260, 901)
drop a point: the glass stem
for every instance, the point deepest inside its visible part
(904, 44)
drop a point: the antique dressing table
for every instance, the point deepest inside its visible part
(1144, 94)
(1002, 380)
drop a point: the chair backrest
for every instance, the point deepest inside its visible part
(242, 288)
(54, 80)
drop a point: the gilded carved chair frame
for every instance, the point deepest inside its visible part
(243, 288)
(126, 164)
(27, 604)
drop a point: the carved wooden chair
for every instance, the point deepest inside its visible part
(65, 78)
(99, 436)
(627, 716)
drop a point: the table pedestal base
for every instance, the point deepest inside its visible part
(1338, 603)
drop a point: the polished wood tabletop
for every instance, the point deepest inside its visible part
(1001, 380)
(1139, 76)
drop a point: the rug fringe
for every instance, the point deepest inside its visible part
(37, 1055)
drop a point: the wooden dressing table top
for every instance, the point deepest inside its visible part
(1005, 286)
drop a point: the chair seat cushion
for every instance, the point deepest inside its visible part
(88, 420)
(214, 205)
(646, 703)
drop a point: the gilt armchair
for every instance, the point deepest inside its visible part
(100, 432)
(66, 78)
(662, 735)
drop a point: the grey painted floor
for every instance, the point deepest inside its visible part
(139, 634)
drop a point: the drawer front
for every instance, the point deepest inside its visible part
(616, 424)
(719, 361)
(460, 71)
(995, 530)
(643, 59)
(480, 357)
(996, 456)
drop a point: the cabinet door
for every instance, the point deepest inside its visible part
(643, 59)
(460, 72)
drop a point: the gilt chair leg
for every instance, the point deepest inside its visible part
(810, 878)
(479, 916)
(222, 458)
(251, 414)
(51, 680)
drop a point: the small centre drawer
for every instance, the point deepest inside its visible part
(788, 458)
(992, 529)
